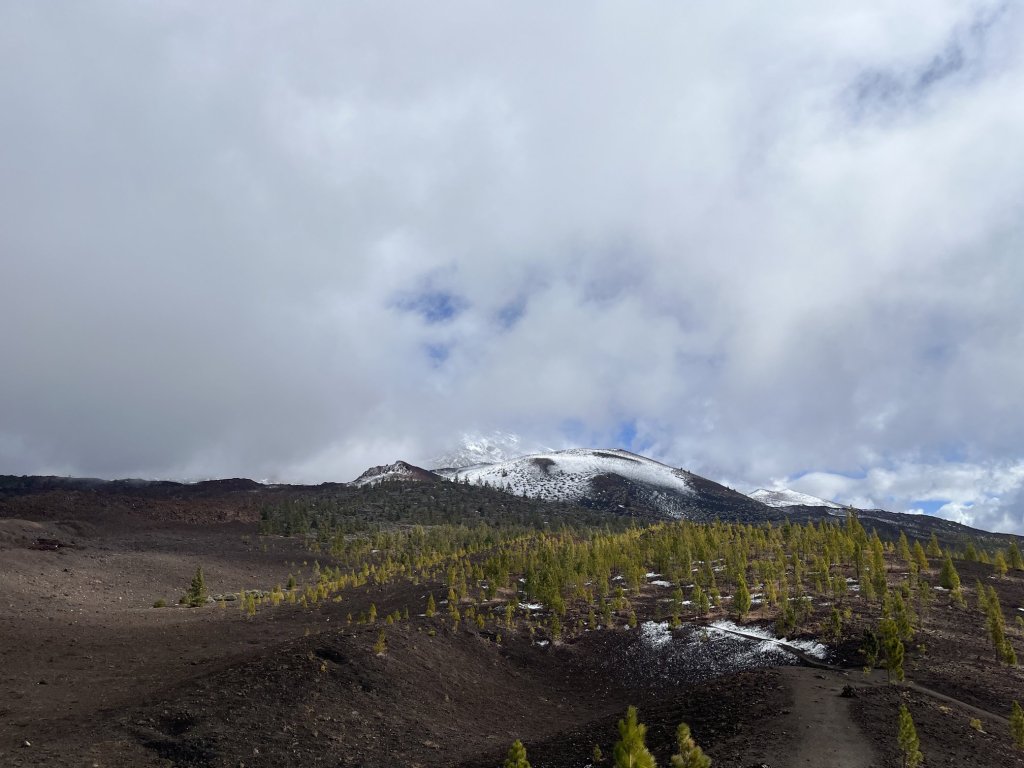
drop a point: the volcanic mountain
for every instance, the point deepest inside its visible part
(622, 483)
(614, 480)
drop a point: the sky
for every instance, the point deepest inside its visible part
(775, 244)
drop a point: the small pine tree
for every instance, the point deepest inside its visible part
(689, 755)
(701, 601)
(871, 648)
(910, 745)
(431, 606)
(742, 602)
(920, 557)
(197, 593)
(948, 576)
(516, 756)
(934, 550)
(630, 751)
(1014, 558)
(381, 646)
(1017, 725)
(598, 754)
(835, 624)
(999, 565)
(893, 649)
(904, 548)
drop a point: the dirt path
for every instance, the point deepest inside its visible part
(824, 733)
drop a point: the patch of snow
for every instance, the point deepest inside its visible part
(661, 583)
(786, 497)
(655, 634)
(530, 606)
(653, 575)
(769, 642)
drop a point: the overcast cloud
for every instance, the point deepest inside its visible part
(772, 243)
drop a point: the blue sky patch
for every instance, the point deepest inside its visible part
(511, 313)
(930, 506)
(438, 353)
(434, 306)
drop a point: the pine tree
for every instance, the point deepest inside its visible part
(598, 754)
(431, 606)
(920, 556)
(197, 593)
(689, 755)
(892, 648)
(934, 550)
(948, 577)
(1017, 725)
(741, 602)
(878, 579)
(700, 600)
(630, 751)
(904, 548)
(999, 564)
(381, 646)
(835, 624)
(1014, 558)
(516, 756)
(910, 745)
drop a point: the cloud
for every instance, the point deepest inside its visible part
(291, 242)
(989, 496)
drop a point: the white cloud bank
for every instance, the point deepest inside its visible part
(293, 241)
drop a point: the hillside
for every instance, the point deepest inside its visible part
(785, 497)
(431, 623)
(613, 480)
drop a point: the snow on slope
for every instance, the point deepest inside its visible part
(785, 497)
(567, 475)
(400, 470)
(476, 448)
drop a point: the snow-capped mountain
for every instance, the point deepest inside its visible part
(612, 479)
(476, 448)
(568, 475)
(618, 481)
(785, 497)
(400, 470)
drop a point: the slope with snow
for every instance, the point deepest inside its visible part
(400, 470)
(476, 448)
(785, 497)
(579, 474)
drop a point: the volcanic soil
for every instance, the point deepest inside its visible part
(94, 675)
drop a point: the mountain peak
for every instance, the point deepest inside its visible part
(399, 470)
(477, 448)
